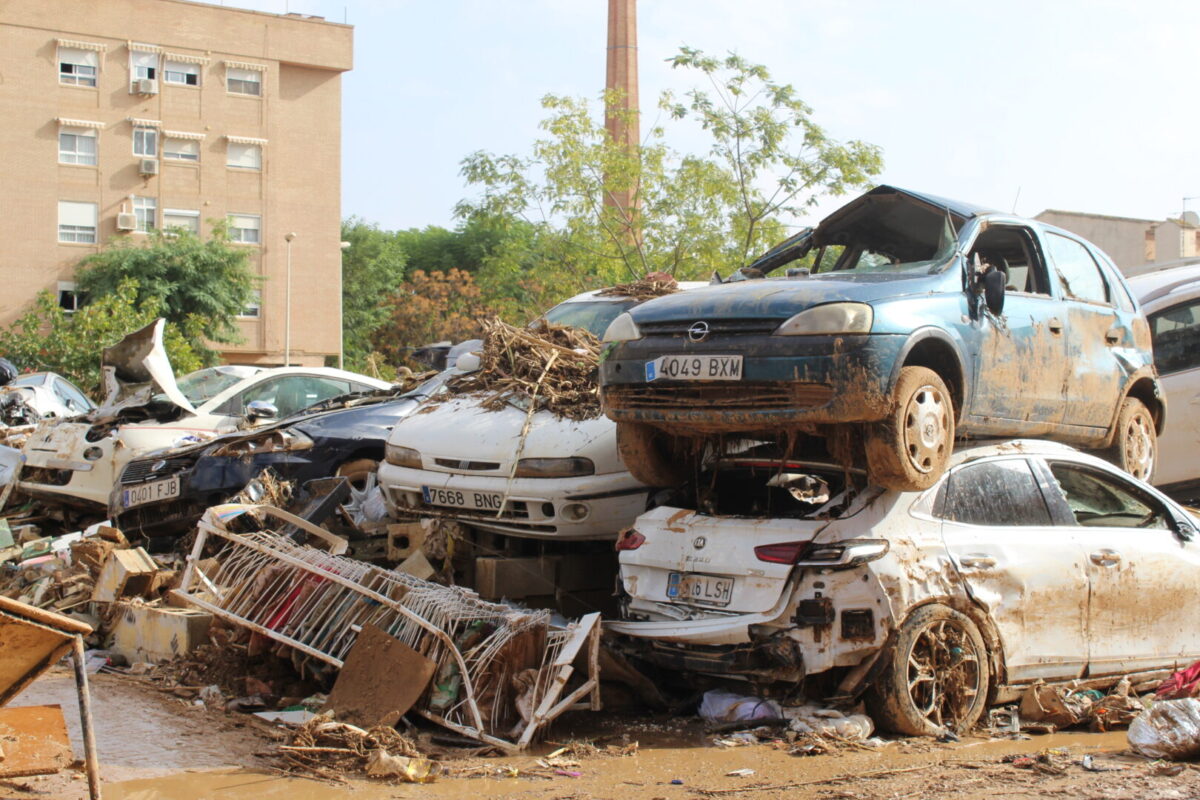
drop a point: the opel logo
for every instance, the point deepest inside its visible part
(699, 542)
(698, 332)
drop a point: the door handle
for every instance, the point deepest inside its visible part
(1106, 558)
(1054, 324)
(1112, 335)
(978, 561)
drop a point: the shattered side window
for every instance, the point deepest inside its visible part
(1102, 501)
(995, 493)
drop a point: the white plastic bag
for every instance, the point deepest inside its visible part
(1169, 729)
(721, 706)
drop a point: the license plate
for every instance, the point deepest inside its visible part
(150, 492)
(462, 498)
(695, 368)
(712, 590)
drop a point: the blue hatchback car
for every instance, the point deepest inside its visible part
(904, 321)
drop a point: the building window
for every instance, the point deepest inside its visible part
(143, 64)
(243, 81)
(244, 156)
(181, 149)
(181, 219)
(77, 67)
(76, 146)
(181, 73)
(245, 228)
(253, 309)
(146, 211)
(145, 142)
(68, 297)
(76, 222)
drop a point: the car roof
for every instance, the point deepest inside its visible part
(265, 374)
(971, 451)
(594, 294)
(1153, 287)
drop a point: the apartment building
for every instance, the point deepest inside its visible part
(125, 115)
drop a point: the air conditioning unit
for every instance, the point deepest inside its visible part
(126, 222)
(143, 86)
(148, 166)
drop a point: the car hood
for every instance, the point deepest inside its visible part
(780, 298)
(136, 369)
(459, 429)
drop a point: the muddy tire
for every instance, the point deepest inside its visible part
(647, 454)
(358, 471)
(908, 451)
(935, 677)
(1135, 445)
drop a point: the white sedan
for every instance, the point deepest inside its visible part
(1027, 561)
(78, 461)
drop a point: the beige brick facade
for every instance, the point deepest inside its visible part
(213, 148)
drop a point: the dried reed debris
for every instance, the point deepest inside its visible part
(656, 284)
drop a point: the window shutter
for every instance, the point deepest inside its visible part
(81, 214)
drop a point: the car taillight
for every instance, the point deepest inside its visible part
(630, 540)
(781, 553)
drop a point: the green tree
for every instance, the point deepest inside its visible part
(200, 286)
(372, 268)
(767, 161)
(46, 337)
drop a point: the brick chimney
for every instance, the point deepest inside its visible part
(622, 76)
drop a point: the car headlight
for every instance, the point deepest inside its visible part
(830, 318)
(278, 441)
(622, 329)
(554, 467)
(402, 456)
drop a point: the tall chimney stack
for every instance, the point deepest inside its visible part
(621, 121)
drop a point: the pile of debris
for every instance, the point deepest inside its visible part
(656, 284)
(552, 367)
(62, 573)
(328, 749)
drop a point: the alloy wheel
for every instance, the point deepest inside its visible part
(944, 674)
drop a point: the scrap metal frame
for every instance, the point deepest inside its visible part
(318, 601)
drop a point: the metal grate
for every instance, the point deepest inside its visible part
(142, 471)
(740, 396)
(716, 327)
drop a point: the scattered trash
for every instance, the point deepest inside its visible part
(382, 764)
(1169, 729)
(829, 722)
(745, 772)
(721, 706)
(1089, 764)
(1048, 708)
(1183, 683)
(328, 749)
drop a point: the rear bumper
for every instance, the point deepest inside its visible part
(786, 381)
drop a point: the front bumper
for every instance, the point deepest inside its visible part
(534, 506)
(786, 381)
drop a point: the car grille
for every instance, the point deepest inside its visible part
(717, 327)
(741, 396)
(473, 466)
(141, 471)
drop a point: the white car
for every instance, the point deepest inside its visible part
(1026, 561)
(45, 394)
(79, 461)
(456, 459)
(1170, 299)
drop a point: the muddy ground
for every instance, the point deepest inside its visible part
(155, 746)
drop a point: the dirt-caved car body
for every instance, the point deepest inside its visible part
(918, 320)
(1027, 561)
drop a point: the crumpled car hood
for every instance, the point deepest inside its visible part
(136, 369)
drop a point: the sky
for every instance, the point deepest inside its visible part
(1085, 106)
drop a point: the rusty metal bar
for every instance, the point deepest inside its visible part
(85, 718)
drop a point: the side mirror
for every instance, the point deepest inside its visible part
(994, 281)
(260, 409)
(1184, 530)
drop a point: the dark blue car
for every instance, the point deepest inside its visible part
(904, 320)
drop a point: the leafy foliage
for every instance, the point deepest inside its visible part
(767, 162)
(431, 307)
(372, 268)
(46, 337)
(200, 286)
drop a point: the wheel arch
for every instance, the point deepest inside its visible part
(934, 349)
(987, 629)
(1146, 389)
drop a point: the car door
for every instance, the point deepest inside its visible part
(1024, 571)
(1175, 332)
(1020, 357)
(1142, 575)
(1095, 335)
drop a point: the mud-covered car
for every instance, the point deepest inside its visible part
(161, 495)
(915, 320)
(1026, 561)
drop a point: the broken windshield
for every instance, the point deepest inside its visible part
(917, 251)
(202, 385)
(593, 316)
